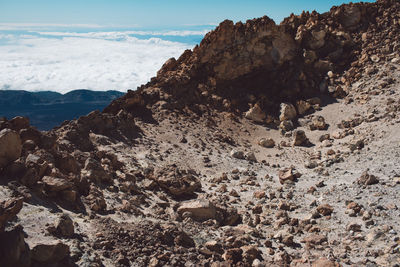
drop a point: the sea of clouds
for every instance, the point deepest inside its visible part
(62, 61)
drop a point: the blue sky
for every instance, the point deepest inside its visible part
(151, 13)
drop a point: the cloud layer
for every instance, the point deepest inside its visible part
(97, 61)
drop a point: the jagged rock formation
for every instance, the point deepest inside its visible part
(262, 63)
(190, 169)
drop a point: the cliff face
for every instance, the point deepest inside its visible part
(242, 64)
(173, 174)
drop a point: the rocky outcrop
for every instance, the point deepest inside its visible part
(261, 64)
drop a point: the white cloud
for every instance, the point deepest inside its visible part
(119, 35)
(35, 63)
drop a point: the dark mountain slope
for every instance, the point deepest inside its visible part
(48, 109)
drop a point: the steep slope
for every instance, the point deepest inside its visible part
(267, 145)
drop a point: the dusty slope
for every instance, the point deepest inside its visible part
(160, 179)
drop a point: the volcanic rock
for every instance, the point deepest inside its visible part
(13, 249)
(177, 182)
(256, 114)
(318, 123)
(92, 170)
(8, 210)
(10, 147)
(288, 175)
(268, 143)
(288, 112)
(199, 209)
(54, 184)
(65, 226)
(237, 154)
(50, 252)
(18, 123)
(300, 138)
(367, 179)
(153, 177)
(286, 125)
(325, 209)
(302, 107)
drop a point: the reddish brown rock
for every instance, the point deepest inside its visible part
(300, 138)
(177, 182)
(233, 255)
(367, 179)
(19, 123)
(8, 210)
(54, 184)
(288, 175)
(315, 239)
(287, 112)
(325, 209)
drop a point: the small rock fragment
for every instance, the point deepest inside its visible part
(325, 209)
(267, 142)
(367, 179)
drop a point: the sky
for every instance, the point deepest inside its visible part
(151, 13)
(63, 45)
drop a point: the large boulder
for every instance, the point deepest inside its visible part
(55, 184)
(10, 147)
(256, 114)
(32, 134)
(267, 142)
(199, 209)
(318, 123)
(288, 112)
(49, 252)
(300, 138)
(19, 123)
(65, 226)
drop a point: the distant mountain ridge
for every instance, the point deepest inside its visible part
(47, 109)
